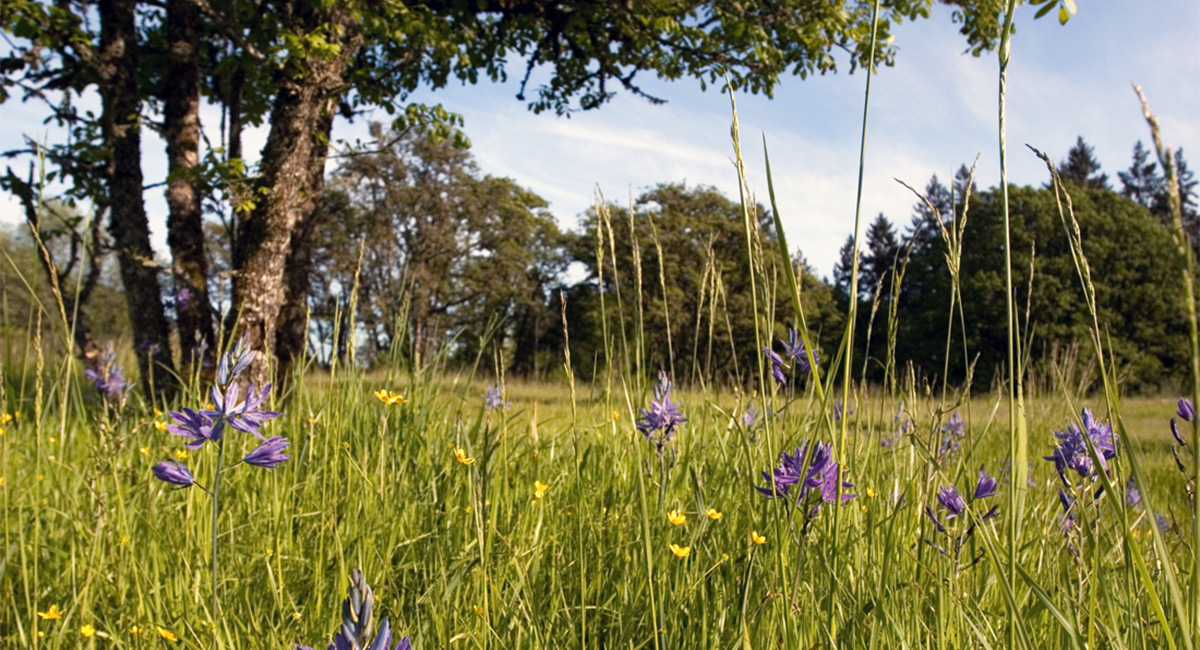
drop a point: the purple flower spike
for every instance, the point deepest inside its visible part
(269, 454)
(253, 415)
(1072, 451)
(193, 425)
(663, 416)
(949, 498)
(108, 377)
(814, 470)
(494, 401)
(173, 473)
(1186, 410)
(985, 487)
(246, 416)
(795, 351)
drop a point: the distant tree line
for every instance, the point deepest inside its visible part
(452, 259)
(417, 256)
(1128, 245)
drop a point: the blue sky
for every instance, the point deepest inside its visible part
(934, 110)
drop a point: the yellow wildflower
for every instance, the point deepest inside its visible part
(756, 538)
(713, 514)
(478, 610)
(180, 454)
(1, 481)
(166, 634)
(539, 490)
(160, 426)
(135, 630)
(157, 413)
(5, 418)
(51, 439)
(40, 477)
(462, 457)
(313, 419)
(870, 493)
(87, 630)
(390, 398)
(680, 551)
(676, 517)
(144, 450)
(54, 613)
(616, 415)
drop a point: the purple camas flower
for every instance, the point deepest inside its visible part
(107, 377)
(794, 349)
(817, 470)
(776, 365)
(495, 400)
(949, 498)
(173, 473)
(193, 425)
(1163, 524)
(269, 454)
(658, 423)
(1072, 450)
(952, 434)
(985, 486)
(1186, 410)
(838, 410)
(953, 503)
(246, 416)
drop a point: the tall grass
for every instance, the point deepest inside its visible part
(467, 555)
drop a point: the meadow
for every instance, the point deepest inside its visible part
(559, 531)
(802, 507)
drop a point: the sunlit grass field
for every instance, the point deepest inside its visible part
(541, 516)
(467, 555)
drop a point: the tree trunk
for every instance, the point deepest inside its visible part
(185, 225)
(123, 172)
(292, 336)
(264, 244)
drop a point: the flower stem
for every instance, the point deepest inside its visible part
(216, 511)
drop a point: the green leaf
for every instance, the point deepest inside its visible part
(1063, 15)
(1044, 10)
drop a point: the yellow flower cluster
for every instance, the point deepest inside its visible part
(539, 490)
(677, 518)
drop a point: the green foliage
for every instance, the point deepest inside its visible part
(439, 252)
(1137, 294)
(707, 300)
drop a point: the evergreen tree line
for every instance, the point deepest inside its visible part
(1127, 241)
